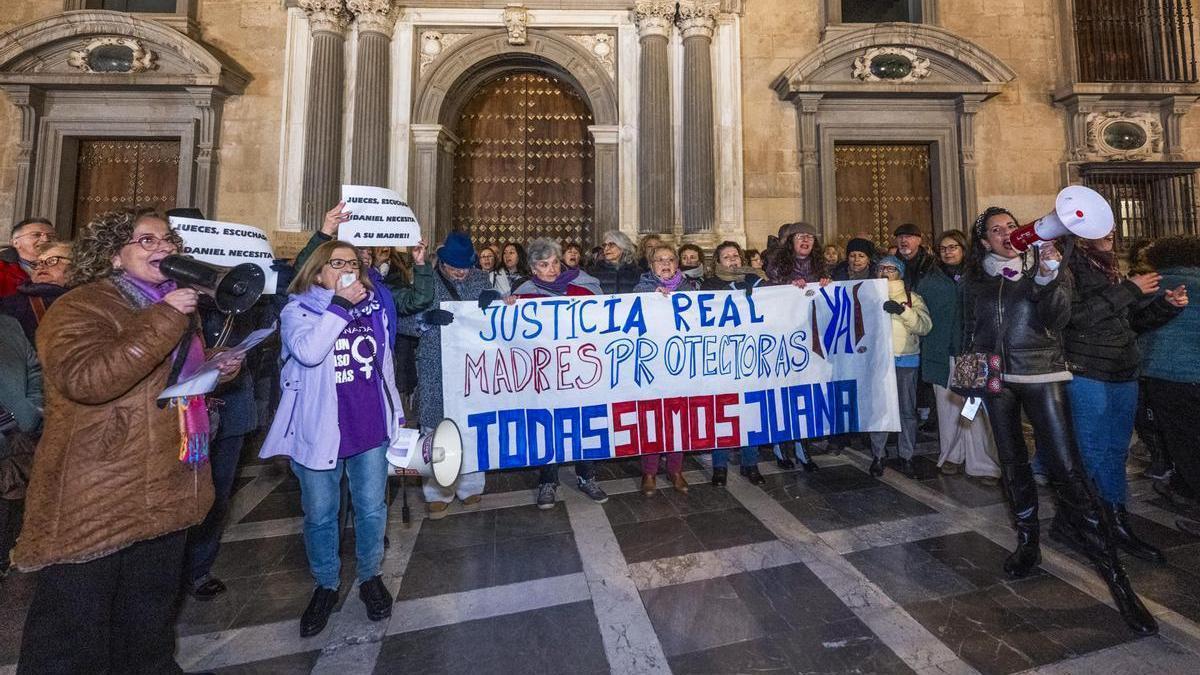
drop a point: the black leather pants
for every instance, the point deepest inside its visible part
(1045, 404)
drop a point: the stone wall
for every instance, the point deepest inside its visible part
(252, 33)
(1020, 136)
(14, 14)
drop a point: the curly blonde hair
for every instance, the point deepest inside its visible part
(104, 237)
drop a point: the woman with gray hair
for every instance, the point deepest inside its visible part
(551, 280)
(617, 269)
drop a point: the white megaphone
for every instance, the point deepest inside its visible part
(438, 455)
(1080, 211)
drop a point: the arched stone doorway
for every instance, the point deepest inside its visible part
(445, 91)
(524, 166)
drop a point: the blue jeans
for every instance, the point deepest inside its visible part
(720, 458)
(1103, 413)
(321, 497)
(584, 470)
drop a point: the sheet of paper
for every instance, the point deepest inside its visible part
(227, 244)
(379, 217)
(971, 408)
(252, 340)
(203, 382)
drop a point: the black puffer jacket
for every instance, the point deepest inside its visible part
(619, 278)
(1021, 321)
(1101, 339)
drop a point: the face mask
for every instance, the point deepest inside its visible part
(1051, 265)
(347, 279)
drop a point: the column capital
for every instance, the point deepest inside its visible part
(434, 134)
(325, 15)
(697, 18)
(605, 134)
(377, 16)
(654, 17)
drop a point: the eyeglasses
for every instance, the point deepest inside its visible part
(338, 263)
(48, 263)
(544, 264)
(149, 242)
(888, 268)
(609, 244)
(805, 237)
(44, 236)
(951, 247)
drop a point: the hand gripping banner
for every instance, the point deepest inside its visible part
(596, 377)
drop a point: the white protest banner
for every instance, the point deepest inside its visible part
(378, 217)
(569, 378)
(227, 244)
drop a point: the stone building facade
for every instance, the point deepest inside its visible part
(701, 120)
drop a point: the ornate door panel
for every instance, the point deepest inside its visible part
(879, 187)
(524, 167)
(112, 173)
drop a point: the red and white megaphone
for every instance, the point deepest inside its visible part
(438, 455)
(1080, 211)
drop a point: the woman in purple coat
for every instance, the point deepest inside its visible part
(338, 409)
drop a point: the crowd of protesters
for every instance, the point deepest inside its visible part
(115, 516)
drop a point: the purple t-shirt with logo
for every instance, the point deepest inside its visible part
(361, 416)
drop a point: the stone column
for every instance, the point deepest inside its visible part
(431, 177)
(605, 141)
(29, 101)
(372, 86)
(656, 164)
(1173, 110)
(810, 170)
(968, 107)
(209, 103)
(323, 113)
(697, 21)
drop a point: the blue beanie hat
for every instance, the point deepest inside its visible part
(892, 261)
(457, 251)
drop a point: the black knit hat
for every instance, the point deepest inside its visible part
(909, 229)
(862, 246)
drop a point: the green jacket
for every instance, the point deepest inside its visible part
(944, 300)
(20, 379)
(408, 299)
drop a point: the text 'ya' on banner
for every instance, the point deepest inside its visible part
(562, 379)
(378, 217)
(227, 244)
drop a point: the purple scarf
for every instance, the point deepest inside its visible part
(559, 285)
(802, 268)
(194, 424)
(673, 283)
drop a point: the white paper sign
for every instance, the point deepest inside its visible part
(378, 217)
(227, 244)
(561, 379)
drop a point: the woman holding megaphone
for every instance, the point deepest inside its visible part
(117, 478)
(1016, 307)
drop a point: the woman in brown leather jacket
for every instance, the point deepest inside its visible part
(1016, 306)
(110, 499)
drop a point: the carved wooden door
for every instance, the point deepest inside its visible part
(524, 166)
(879, 187)
(112, 173)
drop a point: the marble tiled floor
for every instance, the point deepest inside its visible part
(833, 571)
